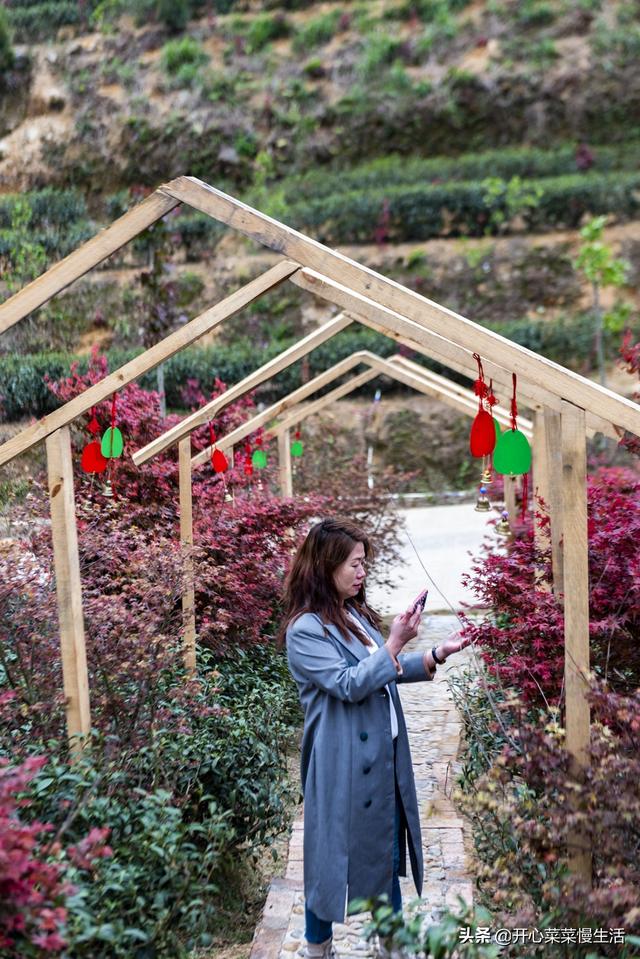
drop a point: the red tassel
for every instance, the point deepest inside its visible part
(514, 405)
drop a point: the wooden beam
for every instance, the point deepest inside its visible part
(186, 542)
(284, 464)
(83, 259)
(265, 372)
(447, 390)
(540, 473)
(392, 367)
(527, 364)
(146, 361)
(301, 413)
(553, 440)
(401, 329)
(287, 402)
(576, 612)
(66, 564)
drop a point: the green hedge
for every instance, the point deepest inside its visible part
(23, 392)
(394, 170)
(48, 207)
(40, 20)
(458, 208)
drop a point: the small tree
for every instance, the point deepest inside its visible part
(506, 199)
(597, 263)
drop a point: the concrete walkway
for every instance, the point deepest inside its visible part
(434, 728)
(444, 537)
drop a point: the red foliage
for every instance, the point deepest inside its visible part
(522, 640)
(598, 800)
(31, 891)
(630, 355)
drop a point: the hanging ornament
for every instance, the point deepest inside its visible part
(92, 459)
(248, 468)
(503, 527)
(219, 461)
(512, 456)
(482, 503)
(483, 433)
(297, 446)
(259, 458)
(93, 426)
(112, 442)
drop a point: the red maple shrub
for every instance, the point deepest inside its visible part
(33, 889)
(532, 808)
(630, 360)
(522, 638)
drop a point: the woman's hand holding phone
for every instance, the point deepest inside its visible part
(405, 626)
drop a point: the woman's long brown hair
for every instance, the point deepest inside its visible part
(309, 586)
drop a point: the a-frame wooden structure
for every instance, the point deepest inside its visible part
(397, 367)
(569, 404)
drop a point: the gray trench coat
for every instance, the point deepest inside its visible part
(347, 765)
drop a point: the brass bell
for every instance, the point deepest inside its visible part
(503, 527)
(482, 503)
(107, 489)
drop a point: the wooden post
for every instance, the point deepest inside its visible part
(510, 498)
(540, 483)
(553, 442)
(284, 460)
(186, 541)
(68, 588)
(576, 609)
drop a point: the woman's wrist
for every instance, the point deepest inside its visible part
(393, 649)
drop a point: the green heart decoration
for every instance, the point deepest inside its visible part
(498, 430)
(112, 447)
(512, 455)
(296, 448)
(259, 459)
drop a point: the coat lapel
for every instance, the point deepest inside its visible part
(357, 650)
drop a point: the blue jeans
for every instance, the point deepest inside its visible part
(319, 930)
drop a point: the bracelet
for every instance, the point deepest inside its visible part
(440, 662)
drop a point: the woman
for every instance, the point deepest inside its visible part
(360, 806)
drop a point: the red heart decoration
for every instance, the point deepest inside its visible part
(483, 434)
(219, 461)
(92, 459)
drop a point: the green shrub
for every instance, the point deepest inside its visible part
(6, 48)
(265, 28)
(536, 13)
(174, 13)
(506, 163)
(459, 208)
(316, 32)
(177, 54)
(379, 49)
(41, 20)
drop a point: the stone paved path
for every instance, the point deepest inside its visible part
(434, 728)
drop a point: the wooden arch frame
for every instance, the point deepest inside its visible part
(569, 400)
(397, 367)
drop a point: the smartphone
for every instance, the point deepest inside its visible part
(420, 601)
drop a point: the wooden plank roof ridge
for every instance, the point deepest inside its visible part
(320, 261)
